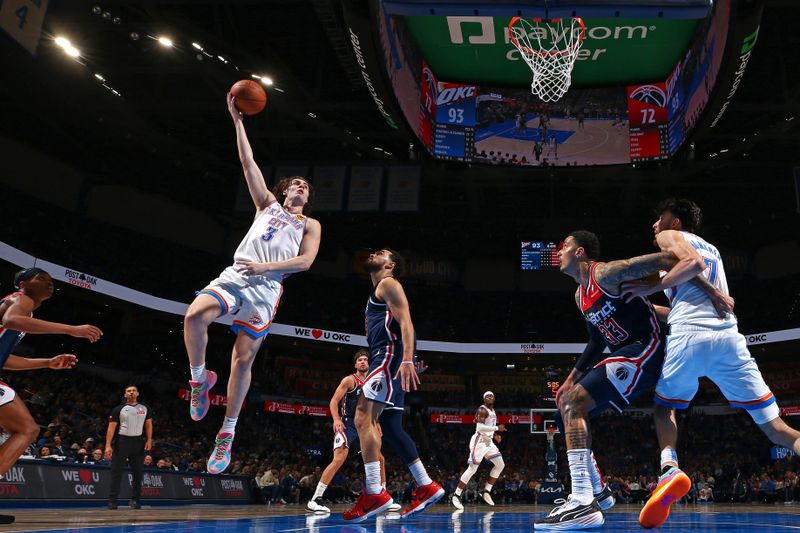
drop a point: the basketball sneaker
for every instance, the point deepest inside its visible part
(605, 498)
(368, 505)
(672, 486)
(456, 501)
(423, 497)
(221, 456)
(571, 515)
(198, 400)
(487, 497)
(316, 506)
(394, 507)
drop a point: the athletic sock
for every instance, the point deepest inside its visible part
(579, 469)
(597, 478)
(459, 491)
(373, 471)
(198, 372)
(419, 473)
(488, 487)
(320, 490)
(229, 425)
(669, 458)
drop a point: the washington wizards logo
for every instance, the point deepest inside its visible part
(376, 386)
(650, 94)
(621, 373)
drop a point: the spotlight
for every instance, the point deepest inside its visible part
(106, 15)
(72, 51)
(222, 59)
(117, 21)
(266, 80)
(197, 46)
(134, 36)
(63, 42)
(256, 76)
(199, 57)
(99, 77)
(165, 42)
(97, 10)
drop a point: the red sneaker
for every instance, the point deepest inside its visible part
(423, 497)
(368, 505)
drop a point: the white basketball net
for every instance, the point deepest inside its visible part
(550, 48)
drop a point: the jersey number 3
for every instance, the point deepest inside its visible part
(271, 231)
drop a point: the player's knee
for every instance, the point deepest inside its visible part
(498, 467)
(196, 318)
(575, 401)
(30, 430)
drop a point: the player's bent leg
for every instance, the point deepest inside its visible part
(201, 313)
(315, 504)
(244, 353)
(18, 422)
(472, 468)
(782, 434)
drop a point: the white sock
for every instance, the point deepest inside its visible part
(597, 478)
(579, 468)
(373, 471)
(383, 485)
(419, 473)
(668, 457)
(320, 490)
(488, 487)
(459, 491)
(229, 425)
(198, 372)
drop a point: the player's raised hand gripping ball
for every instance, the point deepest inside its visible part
(249, 97)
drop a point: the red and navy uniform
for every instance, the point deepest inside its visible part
(633, 335)
(347, 410)
(8, 337)
(385, 344)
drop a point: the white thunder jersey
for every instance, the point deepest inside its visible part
(275, 235)
(491, 420)
(689, 305)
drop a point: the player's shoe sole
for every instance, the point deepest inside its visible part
(436, 492)
(371, 503)
(670, 490)
(587, 516)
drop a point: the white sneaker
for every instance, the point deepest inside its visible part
(315, 506)
(487, 498)
(394, 507)
(456, 501)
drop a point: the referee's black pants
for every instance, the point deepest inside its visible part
(131, 449)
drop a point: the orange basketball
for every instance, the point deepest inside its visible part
(250, 97)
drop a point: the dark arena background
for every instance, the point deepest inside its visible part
(415, 123)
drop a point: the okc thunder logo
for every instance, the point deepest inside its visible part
(650, 94)
(621, 373)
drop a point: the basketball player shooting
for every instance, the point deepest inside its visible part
(281, 241)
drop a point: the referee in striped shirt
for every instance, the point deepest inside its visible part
(130, 427)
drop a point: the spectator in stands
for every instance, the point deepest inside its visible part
(97, 458)
(148, 461)
(44, 452)
(57, 448)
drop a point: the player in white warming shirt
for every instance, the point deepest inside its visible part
(700, 344)
(281, 241)
(482, 446)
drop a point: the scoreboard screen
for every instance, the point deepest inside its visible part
(539, 255)
(649, 122)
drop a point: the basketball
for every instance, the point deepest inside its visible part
(250, 97)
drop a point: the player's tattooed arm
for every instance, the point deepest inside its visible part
(611, 275)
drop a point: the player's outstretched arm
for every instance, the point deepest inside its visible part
(18, 318)
(261, 196)
(309, 248)
(347, 383)
(391, 292)
(59, 362)
(611, 275)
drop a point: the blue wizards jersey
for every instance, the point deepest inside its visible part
(620, 323)
(350, 400)
(8, 338)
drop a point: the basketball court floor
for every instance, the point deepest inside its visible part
(439, 519)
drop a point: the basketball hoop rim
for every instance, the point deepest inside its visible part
(525, 50)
